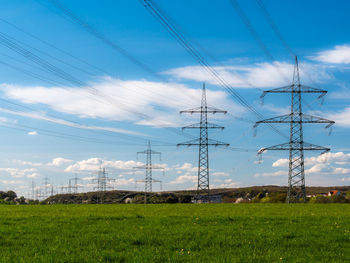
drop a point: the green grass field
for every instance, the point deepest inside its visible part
(175, 233)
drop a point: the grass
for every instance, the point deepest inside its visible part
(175, 233)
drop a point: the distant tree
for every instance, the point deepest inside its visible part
(348, 195)
(185, 199)
(172, 199)
(11, 195)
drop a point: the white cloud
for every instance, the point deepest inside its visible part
(19, 173)
(123, 181)
(88, 178)
(341, 118)
(94, 164)
(59, 161)
(321, 164)
(281, 163)
(120, 100)
(228, 183)
(220, 174)
(184, 179)
(187, 167)
(273, 174)
(41, 116)
(252, 76)
(26, 163)
(33, 133)
(11, 182)
(337, 55)
(329, 157)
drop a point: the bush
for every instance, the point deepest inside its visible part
(274, 198)
(338, 199)
(319, 199)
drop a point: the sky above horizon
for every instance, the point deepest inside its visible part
(89, 92)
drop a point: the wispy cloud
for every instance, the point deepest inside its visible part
(94, 164)
(260, 75)
(141, 102)
(59, 161)
(41, 116)
(33, 133)
(337, 55)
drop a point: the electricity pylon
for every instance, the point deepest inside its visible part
(203, 190)
(75, 185)
(296, 145)
(46, 186)
(102, 184)
(148, 167)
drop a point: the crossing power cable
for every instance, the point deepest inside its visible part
(156, 12)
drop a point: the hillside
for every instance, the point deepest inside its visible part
(228, 195)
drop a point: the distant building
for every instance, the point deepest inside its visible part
(334, 193)
(204, 199)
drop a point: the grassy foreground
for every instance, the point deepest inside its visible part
(175, 233)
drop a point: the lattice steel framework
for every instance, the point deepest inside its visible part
(103, 184)
(203, 189)
(148, 167)
(296, 145)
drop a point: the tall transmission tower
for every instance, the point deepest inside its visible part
(296, 145)
(148, 167)
(203, 191)
(103, 184)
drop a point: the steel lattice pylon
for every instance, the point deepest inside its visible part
(203, 189)
(296, 145)
(148, 167)
(103, 184)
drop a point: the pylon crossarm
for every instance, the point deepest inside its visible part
(200, 126)
(140, 181)
(280, 119)
(276, 90)
(215, 110)
(157, 167)
(291, 89)
(306, 118)
(140, 167)
(194, 110)
(296, 117)
(148, 151)
(307, 89)
(156, 181)
(295, 146)
(197, 142)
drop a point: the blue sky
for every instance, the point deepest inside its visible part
(55, 128)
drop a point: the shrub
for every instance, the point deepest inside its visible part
(338, 199)
(320, 199)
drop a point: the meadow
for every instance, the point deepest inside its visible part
(175, 233)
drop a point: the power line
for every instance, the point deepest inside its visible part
(274, 27)
(55, 47)
(156, 12)
(99, 35)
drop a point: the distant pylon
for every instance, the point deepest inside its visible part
(148, 167)
(102, 184)
(203, 189)
(33, 190)
(75, 186)
(46, 185)
(296, 145)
